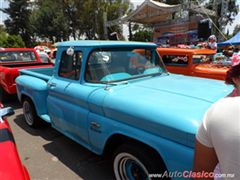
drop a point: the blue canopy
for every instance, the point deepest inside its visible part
(235, 40)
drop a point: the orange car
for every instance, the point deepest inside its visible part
(193, 62)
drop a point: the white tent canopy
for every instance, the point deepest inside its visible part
(150, 12)
(153, 12)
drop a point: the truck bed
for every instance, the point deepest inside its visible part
(42, 73)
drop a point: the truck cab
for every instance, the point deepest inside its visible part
(113, 99)
(194, 62)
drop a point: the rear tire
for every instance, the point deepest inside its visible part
(30, 115)
(136, 162)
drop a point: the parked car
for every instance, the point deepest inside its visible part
(11, 167)
(115, 101)
(194, 62)
(11, 60)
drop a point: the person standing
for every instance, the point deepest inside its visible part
(218, 137)
(212, 42)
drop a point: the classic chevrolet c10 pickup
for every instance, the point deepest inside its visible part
(115, 101)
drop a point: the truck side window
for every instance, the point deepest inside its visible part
(70, 66)
(175, 60)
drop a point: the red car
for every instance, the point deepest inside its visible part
(13, 59)
(11, 167)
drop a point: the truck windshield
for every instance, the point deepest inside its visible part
(105, 66)
(17, 56)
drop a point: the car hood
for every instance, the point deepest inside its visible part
(169, 106)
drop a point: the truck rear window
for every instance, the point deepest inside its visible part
(17, 56)
(70, 65)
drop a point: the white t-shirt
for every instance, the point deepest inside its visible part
(220, 129)
(212, 45)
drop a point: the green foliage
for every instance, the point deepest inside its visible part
(7, 41)
(144, 36)
(91, 16)
(49, 21)
(18, 21)
(56, 20)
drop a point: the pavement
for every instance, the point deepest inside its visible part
(49, 155)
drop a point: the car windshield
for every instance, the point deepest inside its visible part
(17, 56)
(116, 65)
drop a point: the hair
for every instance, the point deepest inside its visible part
(227, 53)
(234, 71)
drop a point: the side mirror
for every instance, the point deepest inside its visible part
(8, 111)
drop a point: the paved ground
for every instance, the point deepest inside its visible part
(48, 155)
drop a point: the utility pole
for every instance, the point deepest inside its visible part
(215, 19)
(105, 25)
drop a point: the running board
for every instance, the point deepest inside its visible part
(46, 118)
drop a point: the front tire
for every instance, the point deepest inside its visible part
(136, 163)
(30, 114)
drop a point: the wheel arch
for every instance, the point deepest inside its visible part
(117, 140)
(37, 104)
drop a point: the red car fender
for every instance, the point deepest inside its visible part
(11, 167)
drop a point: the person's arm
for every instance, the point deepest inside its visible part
(205, 159)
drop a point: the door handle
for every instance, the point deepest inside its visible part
(95, 125)
(52, 84)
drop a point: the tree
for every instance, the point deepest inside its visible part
(223, 17)
(10, 40)
(143, 36)
(92, 12)
(18, 21)
(59, 19)
(71, 9)
(142, 32)
(49, 21)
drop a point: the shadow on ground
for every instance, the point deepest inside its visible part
(13, 102)
(77, 158)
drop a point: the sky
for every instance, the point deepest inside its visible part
(3, 16)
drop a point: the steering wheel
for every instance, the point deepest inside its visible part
(140, 69)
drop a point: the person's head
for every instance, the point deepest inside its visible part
(233, 74)
(212, 38)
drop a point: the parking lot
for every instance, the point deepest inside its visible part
(49, 155)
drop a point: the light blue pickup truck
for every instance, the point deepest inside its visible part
(117, 98)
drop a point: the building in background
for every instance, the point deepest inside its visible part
(172, 23)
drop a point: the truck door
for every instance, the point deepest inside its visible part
(67, 100)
